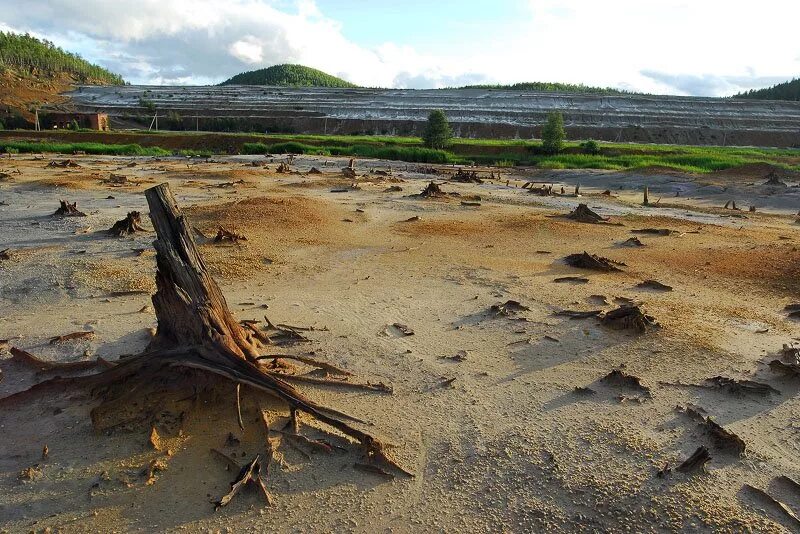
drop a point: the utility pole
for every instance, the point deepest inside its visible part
(36, 124)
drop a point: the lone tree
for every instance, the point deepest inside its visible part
(437, 132)
(553, 134)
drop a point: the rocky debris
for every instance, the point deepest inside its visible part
(632, 242)
(696, 462)
(508, 308)
(583, 214)
(68, 209)
(131, 224)
(774, 181)
(653, 231)
(739, 387)
(466, 177)
(593, 262)
(628, 317)
(654, 284)
(67, 163)
(432, 190)
(224, 235)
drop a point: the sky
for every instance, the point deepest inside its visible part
(683, 47)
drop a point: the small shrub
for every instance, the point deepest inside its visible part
(437, 132)
(553, 134)
(590, 147)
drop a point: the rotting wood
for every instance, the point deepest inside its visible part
(696, 462)
(224, 236)
(620, 379)
(28, 359)
(131, 224)
(432, 190)
(583, 214)
(571, 279)
(68, 209)
(738, 387)
(248, 474)
(593, 262)
(653, 284)
(6, 254)
(653, 231)
(508, 308)
(197, 336)
(577, 314)
(723, 439)
(776, 504)
(74, 335)
(628, 317)
(632, 242)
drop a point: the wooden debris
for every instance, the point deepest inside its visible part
(283, 168)
(432, 190)
(314, 170)
(248, 474)
(653, 231)
(653, 284)
(723, 439)
(117, 179)
(730, 204)
(224, 235)
(632, 242)
(26, 358)
(774, 181)
(466, 177)
(628, 318)
(583, 214)
(507, 308)
(74, 335)
(776, 504)
(372, 469)
(131, 224)
(405, 330)
(739, 387)
(593, 262)
(64, 164)
(621, 379)
(68, 209)
(696, 462)
(6, 254)
(575, 314)
(470, 204)
(571, 279)
(393, 189)
(45, 452)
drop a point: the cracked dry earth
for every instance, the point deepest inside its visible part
(504, 418)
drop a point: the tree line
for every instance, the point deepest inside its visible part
(782, 91)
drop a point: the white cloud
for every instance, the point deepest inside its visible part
(683, 46)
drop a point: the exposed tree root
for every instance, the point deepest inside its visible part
(131, 224)
(67, 209)
(593, 262)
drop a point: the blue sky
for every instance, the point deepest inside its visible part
(693, 47)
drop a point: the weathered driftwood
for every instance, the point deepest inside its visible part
(591, 261)
(197, 336)
(67, 209)
(628, 317)
(583, 214)
(739, 387)
(131, 224)
(696, 462)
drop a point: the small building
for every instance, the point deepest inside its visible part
(57, 120)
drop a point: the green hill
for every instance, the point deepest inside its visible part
(782, 91)
(288, 76)
(553, 87)
(28, 55)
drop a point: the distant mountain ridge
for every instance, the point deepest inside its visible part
(287, 75)
(783, 91)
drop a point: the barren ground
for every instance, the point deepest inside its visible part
(499, 439)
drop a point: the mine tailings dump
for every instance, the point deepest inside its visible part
(472, 112)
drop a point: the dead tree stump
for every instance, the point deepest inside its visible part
(67, 209)
(131, 224)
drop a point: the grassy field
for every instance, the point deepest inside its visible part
(504, 152)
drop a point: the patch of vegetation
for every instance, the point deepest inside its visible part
(288, 76)
(89, 148)
(590, 147)
(783, 91)
(396, 153)
(551, 87)
(437, 132)
(30, 55)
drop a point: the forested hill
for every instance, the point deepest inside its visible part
(28, 55)
(782, 91)
(288, 76)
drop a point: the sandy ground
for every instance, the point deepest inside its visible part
(499, 440)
